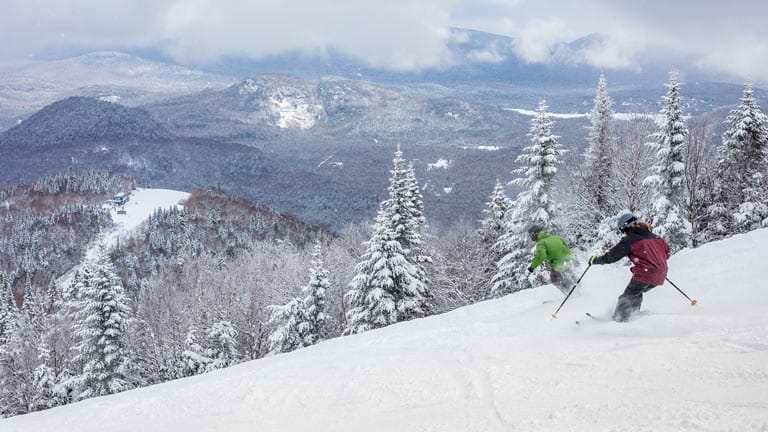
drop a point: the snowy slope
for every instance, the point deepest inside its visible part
(140, 206)
(618, 116)
(499, 365)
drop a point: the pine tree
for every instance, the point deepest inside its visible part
(222, 345)
(538, 166)
(194, 358)
(739, 202)
(303, 322)
(416, 205)
(8, 308)
(416, 223)
(515, 251)
(35, 307)
(286, 319)
(391, 285)
(599, 156)
(407, 209)
(492, 228)
(314, 327)
(497, 207)
(593, 183)
(100, 330)
(669, 217)
(48, 390)
(26, 379)
(533, 205)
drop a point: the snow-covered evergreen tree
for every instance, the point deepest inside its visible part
(593, 185)
(407, 212)
(303, 322)
(739, 202)
(194, 358)
(315, 325)
(35, 307)
(222, 345)
(495, 213)
(28, 381)
(667, 182)
(416, 206)
(286, 320)
(538, 166)
(533, 206)
(492, 228)
(515, 250)
(390, 285)
(416, 223)
(8, 309)
(386, 288)
(50, 391)
(16, 365)
(101, 322)
(600, 154)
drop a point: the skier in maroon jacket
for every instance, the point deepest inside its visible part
(649, 254)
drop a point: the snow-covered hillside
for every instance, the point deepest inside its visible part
(499, 365)
(140, 206)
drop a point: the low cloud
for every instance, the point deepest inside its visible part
(535, 40)
(611, 53)
(396, 34)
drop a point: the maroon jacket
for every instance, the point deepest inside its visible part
(647, 251)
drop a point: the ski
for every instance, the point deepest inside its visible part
(596, 318)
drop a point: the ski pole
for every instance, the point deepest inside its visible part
(693, 302)
(554, 315)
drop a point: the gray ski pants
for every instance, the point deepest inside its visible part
(630, 300)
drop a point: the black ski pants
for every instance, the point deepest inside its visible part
(630, 300)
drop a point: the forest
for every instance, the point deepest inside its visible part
(223, 280)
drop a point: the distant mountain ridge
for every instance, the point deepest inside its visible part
(112, 75)
(275, 108)
(80, 119)
(84, 133)
(485, 68)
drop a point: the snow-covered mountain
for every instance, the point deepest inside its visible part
(490, 68)
(111, 75)
(497, 366)
(277, 108)
(485, 67)
(84, 133)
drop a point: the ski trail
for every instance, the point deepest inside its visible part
(497, 365)
(140, 206)
(324, 161)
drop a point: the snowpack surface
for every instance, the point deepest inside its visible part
(499, 365)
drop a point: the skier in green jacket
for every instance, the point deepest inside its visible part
(553, 249)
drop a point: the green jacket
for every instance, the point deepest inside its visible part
(554, 249)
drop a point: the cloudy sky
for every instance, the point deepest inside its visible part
(730, 36)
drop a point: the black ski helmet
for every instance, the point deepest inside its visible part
(625, 221)
(534, 230)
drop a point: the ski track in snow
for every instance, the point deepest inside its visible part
(140, 206)
(499, 365)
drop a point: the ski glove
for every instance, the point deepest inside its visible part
(530, 269)
(592, 259)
